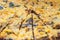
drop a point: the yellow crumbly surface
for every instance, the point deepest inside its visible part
(11, 18)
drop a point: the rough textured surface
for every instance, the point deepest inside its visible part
(29, 19)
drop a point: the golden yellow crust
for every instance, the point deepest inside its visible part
(16, 19)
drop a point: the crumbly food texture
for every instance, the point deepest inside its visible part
(18, 16)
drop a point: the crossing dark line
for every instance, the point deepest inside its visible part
(33, 28)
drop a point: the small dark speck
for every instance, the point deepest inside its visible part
(57, 38)
(57, 26)
(10, 39)
(0, 26)
(46, 2)
(1, 7)
(32, 11)
(25, 6)
(5, 1)
(38, 0)
(51, 23)
(17, 6)
(51, 4)
(9, 33)
(11, 4)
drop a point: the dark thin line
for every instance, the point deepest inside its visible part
(33, 28)
(2, 29)
(21, 24)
